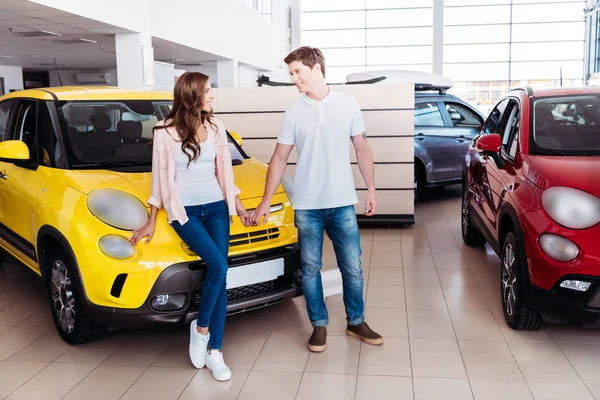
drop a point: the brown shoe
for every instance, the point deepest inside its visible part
(364, 333)
(318, 340)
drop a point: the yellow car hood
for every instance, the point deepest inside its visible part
(249, 177)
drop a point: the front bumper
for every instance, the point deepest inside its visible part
(568, 305)
(187, 278)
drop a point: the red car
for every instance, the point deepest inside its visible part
(531, 188)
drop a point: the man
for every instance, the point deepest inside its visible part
(321, 124)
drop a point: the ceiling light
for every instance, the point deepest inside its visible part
(51, 33)
(1, 56)
(88, 40)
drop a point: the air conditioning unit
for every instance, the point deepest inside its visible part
(93, 77)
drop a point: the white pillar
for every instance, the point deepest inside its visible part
(227, 73)
(135, 60)
(438, 37)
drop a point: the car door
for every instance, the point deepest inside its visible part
(5, 115)
(466, 124)
(434, 141)
(481, 164)
(21, 184)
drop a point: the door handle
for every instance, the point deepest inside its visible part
(3, 175)
(461, 139)
(420, 137)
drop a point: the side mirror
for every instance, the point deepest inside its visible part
(237, 138)
(14, 150)
(491, 143)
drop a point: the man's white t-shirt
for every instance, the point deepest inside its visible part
(321, 131)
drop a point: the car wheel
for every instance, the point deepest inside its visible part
(470, 234)
(518, 315)
(71, 321)
(418, 184)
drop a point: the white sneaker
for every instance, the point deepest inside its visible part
(215, 362)
(198, 346)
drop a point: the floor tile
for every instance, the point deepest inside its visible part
(435, 358)
(327, 387)
(450, 261)
(283, 352)
(388, 322)
(204, 386)
(574, 334)
(424, 277)
(340, 357)
(386, 276)
(425, 298)
(43, 319)
(416, 246)
(489, 361)
(383, 387)
(475, 325)
(143, 353)
(386, 246)
(386, 260)
(390, 359)
(457, 278)
(436, 388)
(21, 311)
(543, 362)
(90, 353)
(430, 324)
(465, 298)
(500, 390)
(13, 374)
(385, 297)
(271, 385)
(560, 391)
(159, 383)
(106, 382)
(417, 261)
(444, 247)
(53, 382)
(241, 349)
(585, 358)
(46, 349)
(16, 339)
(293, 319)
(337, 321)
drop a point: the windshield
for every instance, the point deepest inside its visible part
(116, 134)
(568, 126)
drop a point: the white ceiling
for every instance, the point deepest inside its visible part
(21, 37)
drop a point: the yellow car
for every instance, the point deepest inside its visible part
(75, 168)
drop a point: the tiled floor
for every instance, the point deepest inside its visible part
(435, 300)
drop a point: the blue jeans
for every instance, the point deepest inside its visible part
(341, 227)
(207, 234)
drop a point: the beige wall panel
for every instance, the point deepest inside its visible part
(253, 125)
(380, 96)
(254, 99)
(389, 176)
(261, 149)
(389, 122)
(390, 149)
(389, 202)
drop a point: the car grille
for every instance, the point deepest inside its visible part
(245, 292)
(244, 239)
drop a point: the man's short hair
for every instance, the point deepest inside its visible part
(308, 56)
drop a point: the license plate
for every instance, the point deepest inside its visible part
(254, 273)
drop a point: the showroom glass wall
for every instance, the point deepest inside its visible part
(263, 7)
(488, 46)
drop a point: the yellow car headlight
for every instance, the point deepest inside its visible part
(116, 246)
(117, 208)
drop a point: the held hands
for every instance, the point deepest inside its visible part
(145, 231)
(263, 210)
(246, 219)
(370, 203)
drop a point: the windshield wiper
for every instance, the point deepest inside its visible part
(112, 164)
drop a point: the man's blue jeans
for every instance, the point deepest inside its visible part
(341, 227)
(207, 234)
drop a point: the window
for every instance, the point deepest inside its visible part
(462, 116)
(492, 125)
(428, 114)
(4, 118)
(511, 130)
(49, 150)
(26, 126)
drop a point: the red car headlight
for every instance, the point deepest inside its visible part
(571, 208)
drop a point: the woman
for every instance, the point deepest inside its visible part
(192, 178)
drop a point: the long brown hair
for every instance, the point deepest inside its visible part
(187, 115)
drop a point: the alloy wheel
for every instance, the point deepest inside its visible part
(62, 296)
(509, 280)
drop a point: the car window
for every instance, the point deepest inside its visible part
(510, 135)
(428, 114)
(25, 125)
(462, 116)
(47, 141)
(4, 117)
(494, 120)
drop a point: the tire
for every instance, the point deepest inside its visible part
(470, 234)
(418, 183)
(518, 315)
(66, 301)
